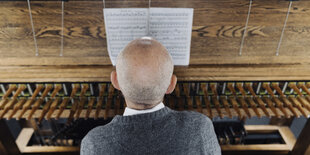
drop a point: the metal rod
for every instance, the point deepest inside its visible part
(62, 29)
(33, 31)
(245, 28)
(283, 29)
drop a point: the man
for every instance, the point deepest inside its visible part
(144, 75)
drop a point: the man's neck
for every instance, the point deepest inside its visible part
(140, 106)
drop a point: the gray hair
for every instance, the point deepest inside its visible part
(144, 69)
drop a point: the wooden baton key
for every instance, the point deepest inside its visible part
(205, 97)
(275, 99)
(4, 100)
(100, 101)
(89, 107)
(284, 99)
(109, 102)
(13, 100)
(27, 105)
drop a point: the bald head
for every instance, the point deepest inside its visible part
(144, 70)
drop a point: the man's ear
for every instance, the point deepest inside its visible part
(173, 82)
(114, 80)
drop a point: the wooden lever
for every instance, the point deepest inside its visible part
(257, 99)
(12, 87)
(84, 89)
(213, 89)
(235, 106)
(304, 102)
(39, 101)
(217, 106)
(294, 87)
(90, 107)
(280, 106)
(109, 102)
(29, 102)
(198, 103)
(275, 99)
(4, 100)
(75, 89)
(252, 103)
(304, 88)
(254, 107)
(62, 107)
(51, 110)
(82, 100)
(16, 108)
(205, 97)
(298, 106)
(215, 100)
(80, 107)
(73, 110)
(241, 89)
(226, 106)
(300, 97)
(46, 90)
(14, 99)
(74, 101)
(57, 88)
(98, 107)
(284, 99)
(262, 106)
(45, 109)
(271, 106)
(188, 98)
(100, 101)
(34, 108)
(244, 104)
(230, 86)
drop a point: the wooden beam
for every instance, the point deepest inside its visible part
(302, 145)
(7, 139)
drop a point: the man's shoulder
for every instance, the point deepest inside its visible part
(98, 133)
(192, 116)
(194, 119)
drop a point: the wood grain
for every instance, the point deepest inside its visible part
(217, 30)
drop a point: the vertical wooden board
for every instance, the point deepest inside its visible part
(15, 30)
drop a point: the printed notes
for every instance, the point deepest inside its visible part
(170, 26)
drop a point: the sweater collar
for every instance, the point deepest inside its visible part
(142, 117)
(130, 111)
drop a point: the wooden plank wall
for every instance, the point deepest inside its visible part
(217, 31)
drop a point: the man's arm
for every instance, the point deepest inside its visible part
(211, 145)
(87, 147)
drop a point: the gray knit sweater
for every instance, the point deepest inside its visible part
(161, 132)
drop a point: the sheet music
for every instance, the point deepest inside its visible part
(170, 26)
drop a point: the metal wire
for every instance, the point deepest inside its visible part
(245, 28)
(283, 29)
(62, 29)
(148, 19)
(33, 31)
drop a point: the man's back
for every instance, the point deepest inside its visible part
(161, 132)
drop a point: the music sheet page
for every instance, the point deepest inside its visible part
(170, 26)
